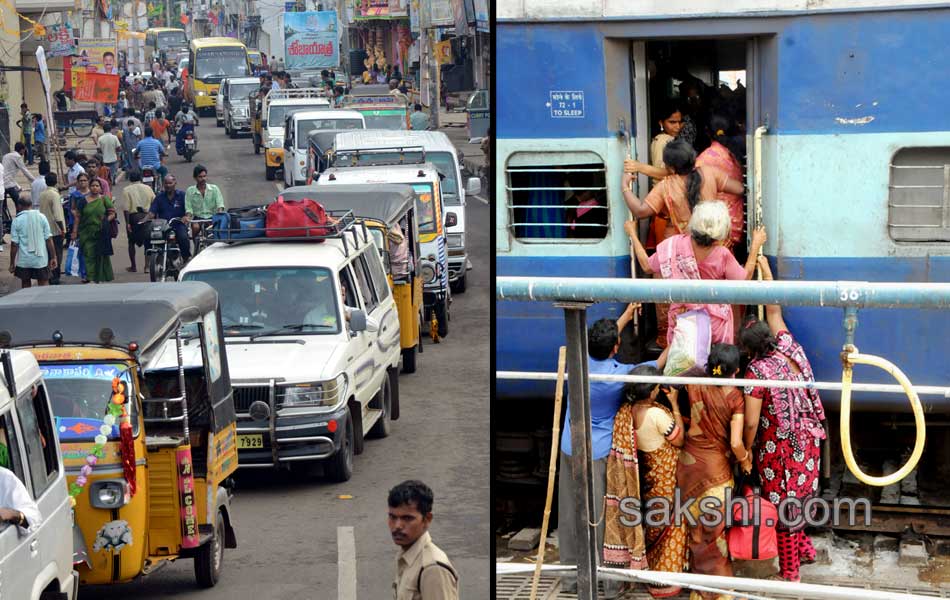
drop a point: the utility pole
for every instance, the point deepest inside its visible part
(168, 13)
(344, 26)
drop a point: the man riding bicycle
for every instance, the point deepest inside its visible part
(202, 201)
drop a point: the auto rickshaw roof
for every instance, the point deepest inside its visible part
(386, 202)
(144, 313)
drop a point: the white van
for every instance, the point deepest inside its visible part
(311, 330)
(276, 105)
(37, 565)
(440, 151)
(297, 129)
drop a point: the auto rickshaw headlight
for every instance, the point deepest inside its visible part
(109, 493)
(427, 272)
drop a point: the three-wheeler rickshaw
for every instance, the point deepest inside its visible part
(381, 208)
(143, 405)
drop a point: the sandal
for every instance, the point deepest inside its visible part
(131, 270)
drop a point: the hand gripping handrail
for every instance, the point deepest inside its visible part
(850, 357)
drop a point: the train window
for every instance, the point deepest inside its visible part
(918, 204)
(557, 196)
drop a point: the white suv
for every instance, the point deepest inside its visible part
(312, 332)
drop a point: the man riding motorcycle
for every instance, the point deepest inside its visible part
(185, 121)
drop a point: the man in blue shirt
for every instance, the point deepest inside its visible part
(168, 205)
(150, 153)
(603, 342)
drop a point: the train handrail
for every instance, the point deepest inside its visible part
(849, 358)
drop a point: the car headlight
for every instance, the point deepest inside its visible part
(427, 272)
(109, 493)
(242, 112)
(455, 240)
(275, 142)
(202, 94)
(322, 394)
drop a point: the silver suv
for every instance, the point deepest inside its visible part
(237, 115)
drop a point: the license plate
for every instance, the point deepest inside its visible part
(148, 179)
(250, 441)
(190, 142)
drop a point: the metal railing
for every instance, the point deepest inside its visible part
(574, 295)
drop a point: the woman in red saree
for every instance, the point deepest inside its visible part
(704, 469)
(699, 254)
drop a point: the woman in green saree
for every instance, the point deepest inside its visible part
(90, 217)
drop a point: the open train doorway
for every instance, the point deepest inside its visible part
(699, 91)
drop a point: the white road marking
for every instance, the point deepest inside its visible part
(346, 563)
(482, 200)
(279, 186)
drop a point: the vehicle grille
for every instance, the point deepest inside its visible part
(245, 396)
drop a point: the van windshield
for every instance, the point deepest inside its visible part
(81, 393)
(265, 300)
(238, 92)
(385, 119)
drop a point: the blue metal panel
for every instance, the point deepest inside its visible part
(543, 59)
(864, 73)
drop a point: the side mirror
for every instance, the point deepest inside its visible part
(357, 321)
(451, 219)
(473, 186)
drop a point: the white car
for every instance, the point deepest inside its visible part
(312, 330)
(297, 129)
(439, 151)
(37, 564)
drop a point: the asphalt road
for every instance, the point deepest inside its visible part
(287, 526)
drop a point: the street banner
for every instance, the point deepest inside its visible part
(398, 8)
(442, 13)
(44, 78)
(61, 40)
(481, 15)
(96, 87)
(415, 24)
(310, 40)
(94, 55)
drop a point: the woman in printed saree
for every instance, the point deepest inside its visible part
(786, 427)
(646, 434)
(699, 254)
(704, 470)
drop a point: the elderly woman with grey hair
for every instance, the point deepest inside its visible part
(700, 254)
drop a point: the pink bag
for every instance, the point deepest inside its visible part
(752, 538)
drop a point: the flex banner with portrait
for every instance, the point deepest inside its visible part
(96, 87)
(311, 40)
(95, 55)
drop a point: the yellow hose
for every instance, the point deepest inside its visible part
(850, 358)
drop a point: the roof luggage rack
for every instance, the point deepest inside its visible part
(339, 224)
(294, 94)
(401, 160)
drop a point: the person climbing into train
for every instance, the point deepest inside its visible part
(675, 197)
(699, 254)
(784, 427)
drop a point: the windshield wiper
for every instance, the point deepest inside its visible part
(289, 328)
(242, 326)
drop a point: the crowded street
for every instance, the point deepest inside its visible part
(296, 532)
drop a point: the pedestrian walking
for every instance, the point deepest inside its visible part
(784, 427)
(109, 145)
(603, 339)
(75, 169)
(31, 245)
(51, 205)
(13, 162)
(36, 189)
(136, 201)
(423, 571)
(39, 138)
(26, 125)
(91, 216)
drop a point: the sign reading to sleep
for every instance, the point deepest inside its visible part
(566, 104)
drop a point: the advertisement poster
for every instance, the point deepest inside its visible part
(481, 15)
(311, 40)
(398, 8)
(61, 40)
(95, 55)
(95, 87)
(443, 52)
(414, 23)
(442, 13)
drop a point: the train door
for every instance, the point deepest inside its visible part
(710, 84)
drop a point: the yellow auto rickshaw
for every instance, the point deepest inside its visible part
(142, 400)
(384, 209)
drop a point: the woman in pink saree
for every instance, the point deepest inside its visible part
(721, 154)
(700, 254)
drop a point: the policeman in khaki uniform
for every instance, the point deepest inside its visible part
(423, 571)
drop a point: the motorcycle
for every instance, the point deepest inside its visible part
(164, 256)
(189, 142)
(150, 178)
